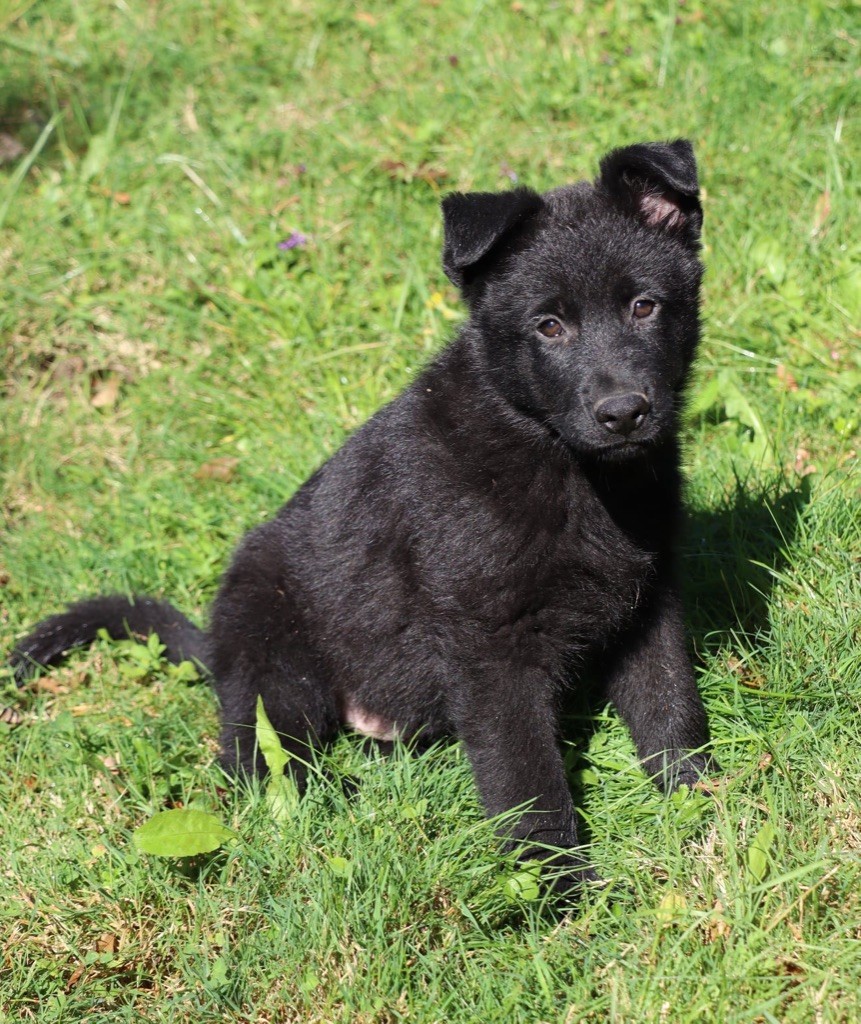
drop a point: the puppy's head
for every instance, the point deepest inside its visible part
(584, 301)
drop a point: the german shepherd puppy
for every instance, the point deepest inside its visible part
(507, 518)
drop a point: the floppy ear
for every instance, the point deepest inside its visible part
(657, 183)
(476, 222)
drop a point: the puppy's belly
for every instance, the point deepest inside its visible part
(375, 726)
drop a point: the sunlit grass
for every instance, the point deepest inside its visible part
(170, 376)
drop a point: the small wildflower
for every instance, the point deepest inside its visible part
(294, 241)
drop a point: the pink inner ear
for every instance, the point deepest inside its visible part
(659, 210)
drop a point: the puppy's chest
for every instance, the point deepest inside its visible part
(589, 585)
(572, 584)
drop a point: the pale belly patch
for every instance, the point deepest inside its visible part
(375, 726)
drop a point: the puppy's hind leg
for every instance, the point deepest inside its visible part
(259, 649)
(300, 711)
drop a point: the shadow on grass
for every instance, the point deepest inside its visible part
(728, 558)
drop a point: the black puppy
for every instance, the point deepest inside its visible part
(508, 516)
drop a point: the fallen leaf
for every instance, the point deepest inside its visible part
(803, 465)
(432, 175)
(821, 212)
(107, 393)
(68, 368)
(399, 171)
(75, 978)
(366, 18)
(189, 118)
(221, 468)
(746, 674)
(283, 204)
(716, 927)
(10, 715)
(45, 684)
(790, 967)
(392, 166)
(108, 943)
(708, 786)
(786, 378)
(121, 198)
(10, 149)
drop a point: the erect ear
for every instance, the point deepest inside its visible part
(476, 222)
(657, 183)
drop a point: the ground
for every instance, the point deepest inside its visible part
(219, 253)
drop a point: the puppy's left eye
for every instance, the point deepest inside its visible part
(550, 328)
(643, 308)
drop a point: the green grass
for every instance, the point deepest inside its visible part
(150, 326)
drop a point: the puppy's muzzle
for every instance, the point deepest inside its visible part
(622, 414)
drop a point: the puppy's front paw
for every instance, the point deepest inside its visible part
(566, 876)
(569, 885)
(672, 769)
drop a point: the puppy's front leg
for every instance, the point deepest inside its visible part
(509, 732)
(650, 679)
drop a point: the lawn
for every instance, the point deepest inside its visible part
(219, 253)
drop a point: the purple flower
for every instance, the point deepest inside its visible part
(295, 241)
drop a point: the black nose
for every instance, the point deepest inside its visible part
(622, 414)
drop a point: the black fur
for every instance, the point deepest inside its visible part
(511, 514)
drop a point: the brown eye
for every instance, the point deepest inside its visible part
(551, 328)
(643, 308)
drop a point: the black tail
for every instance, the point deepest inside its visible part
(123, 618)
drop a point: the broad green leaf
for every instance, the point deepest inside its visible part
(707, 397)
(181, 833)
(155, 648)
(282, 797)
(671, 907)
(523, 885)
(758, 855)
(416, 810)
(98, 154)
(340, 866)
(185, 672)
(219, 972)
(768, 258)
(268, 742)
(847, 290)
(738, 407)
(309, 981)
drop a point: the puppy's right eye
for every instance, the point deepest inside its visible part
(550, 328)
(643, 308)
